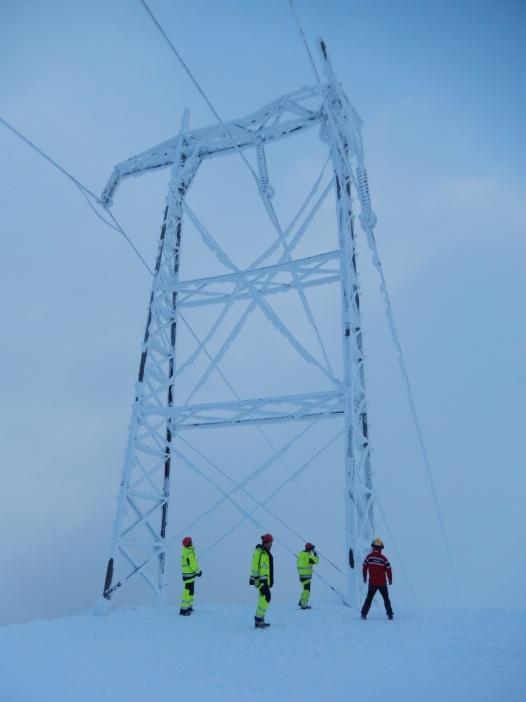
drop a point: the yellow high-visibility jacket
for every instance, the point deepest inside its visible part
(262, 567)
(189, 563)
(305, 563)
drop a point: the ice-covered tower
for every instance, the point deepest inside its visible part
(140, 538)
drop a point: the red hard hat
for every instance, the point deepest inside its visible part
(187, 541)
(309, 546)
(267, 538)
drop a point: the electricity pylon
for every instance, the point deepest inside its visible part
(140, 539)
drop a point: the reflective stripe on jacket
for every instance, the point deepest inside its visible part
(305, 563)
(378, 567)
(189, 563)
(262, 566)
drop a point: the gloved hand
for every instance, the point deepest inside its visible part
(365, 580)
(390, 582)
(200, 574)
(265, 591)
(254, 581)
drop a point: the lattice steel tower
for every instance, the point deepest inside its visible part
(140, 539)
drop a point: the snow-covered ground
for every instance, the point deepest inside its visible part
(327, 653)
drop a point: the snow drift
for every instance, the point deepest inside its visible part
(326, 653)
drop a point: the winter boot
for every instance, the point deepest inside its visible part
(364, 616)
(260, 624)
(390, 616)
(185, 612)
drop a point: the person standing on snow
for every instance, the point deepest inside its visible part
(377, 565)
(190, 570)
(262, 577)
(306, 561)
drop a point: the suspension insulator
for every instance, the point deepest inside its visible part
(264, 185)
(367, 217)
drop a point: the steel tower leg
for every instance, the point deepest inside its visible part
(141, 521)
(359, 524)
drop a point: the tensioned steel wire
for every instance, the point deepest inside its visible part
(116, 226)
(248, 515)
(227, 496)
(396, 341)
(260, 503)
(264, 195)
(270, 211)
(264, 256)
(263, 192)
(201, 343)
(258, 300)
(87, 194)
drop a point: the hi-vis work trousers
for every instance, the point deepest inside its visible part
(263, 602)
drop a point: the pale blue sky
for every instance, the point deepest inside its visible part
(440, 87)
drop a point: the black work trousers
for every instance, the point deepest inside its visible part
(371, 592)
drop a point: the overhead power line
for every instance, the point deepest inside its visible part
(398, 346)
(85, 191)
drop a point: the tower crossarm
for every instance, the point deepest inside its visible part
(284, 408)
(283, 117)
(292, 275)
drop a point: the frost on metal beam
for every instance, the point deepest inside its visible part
(269, 409)
(281, 118)
(161, 413)
(310, 271)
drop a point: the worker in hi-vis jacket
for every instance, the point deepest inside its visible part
(190, 571)
(305, 563)
(262, 577)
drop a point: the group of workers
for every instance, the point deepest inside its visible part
(376, 569)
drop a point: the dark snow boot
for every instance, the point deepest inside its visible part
(390, 615)
(364, 616)
(260, 624)
(185, 612)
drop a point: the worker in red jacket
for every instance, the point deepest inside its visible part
(378, 567)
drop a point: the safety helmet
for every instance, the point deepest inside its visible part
(267, 538)
(309, 546)
(377, 543)
(187, 541)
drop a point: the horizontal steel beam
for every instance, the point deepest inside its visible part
(259, 421)
(281, 118)
(294, 275)
(254, 411)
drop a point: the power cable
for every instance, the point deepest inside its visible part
(201, 91)
(261, 504)
(414, 415)
(85, 191)
(396, 341)
(395, 546)
(246, 515)
(87, 194)
(263, 192)
(304, 39)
